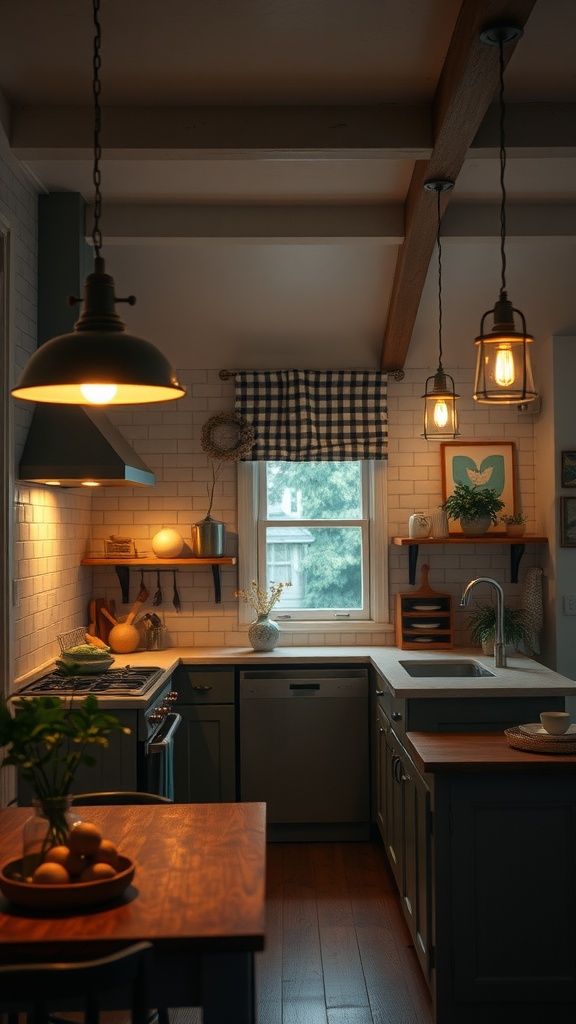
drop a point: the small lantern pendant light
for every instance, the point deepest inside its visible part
(98, 363)
(503, 367)
(440, 413)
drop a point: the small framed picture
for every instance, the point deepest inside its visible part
(568, 522)
(568, 469)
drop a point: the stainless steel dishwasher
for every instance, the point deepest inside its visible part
(304, 750)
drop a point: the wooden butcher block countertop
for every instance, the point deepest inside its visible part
(479, 751)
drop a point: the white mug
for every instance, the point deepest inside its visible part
(555, 722)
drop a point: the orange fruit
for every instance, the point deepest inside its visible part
(97, 872)
(107, 853)
(84, 838)
(73, 862)
(50, 874)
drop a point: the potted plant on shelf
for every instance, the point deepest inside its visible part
(482, 625)
(46, 741)
(515, 524)
(476, 508)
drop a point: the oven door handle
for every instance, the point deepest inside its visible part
(165, 733)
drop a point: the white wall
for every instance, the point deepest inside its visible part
(557, 366)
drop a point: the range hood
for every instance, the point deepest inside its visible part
(76, 446)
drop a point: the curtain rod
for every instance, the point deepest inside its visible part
(227, 374)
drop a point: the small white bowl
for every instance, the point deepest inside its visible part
(555, 722)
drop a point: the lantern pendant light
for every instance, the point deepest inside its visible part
(98, 363)
(503, 366)
(440, 413)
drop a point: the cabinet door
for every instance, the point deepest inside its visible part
(512, 892)
(204, 754)
(393, 812)
(416, 888)
(381, 768)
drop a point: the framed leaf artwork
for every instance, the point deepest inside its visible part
(481, 464)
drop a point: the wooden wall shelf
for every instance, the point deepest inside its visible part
(517, 547)
(122, 567)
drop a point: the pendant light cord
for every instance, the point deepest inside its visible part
(97, 148)
(439, 245)
(502, 170)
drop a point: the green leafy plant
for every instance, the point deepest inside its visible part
(482, 625)
(469, 502)
(46, 740)
(518, 519)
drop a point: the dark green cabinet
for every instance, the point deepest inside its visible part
(404, 818)
(205, 745)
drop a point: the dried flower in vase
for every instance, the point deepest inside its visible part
(262, 601)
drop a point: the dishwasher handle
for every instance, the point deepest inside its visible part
(304, 686)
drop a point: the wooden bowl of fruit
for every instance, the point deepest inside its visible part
(87, 871)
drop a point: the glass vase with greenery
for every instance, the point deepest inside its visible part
(47, 740)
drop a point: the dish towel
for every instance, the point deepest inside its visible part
(531, 603)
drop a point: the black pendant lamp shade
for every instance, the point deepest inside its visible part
(98, 363)
(503, 364)
(440, 412)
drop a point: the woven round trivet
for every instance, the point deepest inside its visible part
(538, 744)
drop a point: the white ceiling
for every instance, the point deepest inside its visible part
(258, 158)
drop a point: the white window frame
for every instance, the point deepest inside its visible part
(249, 475)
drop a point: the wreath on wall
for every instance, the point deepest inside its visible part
(225, 437)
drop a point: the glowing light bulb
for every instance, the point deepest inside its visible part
(98, 394)
(90, 483)
(504, 370)
(440, 414)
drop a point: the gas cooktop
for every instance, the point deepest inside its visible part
(126, 681)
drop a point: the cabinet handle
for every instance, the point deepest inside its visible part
(396, 716)
(380, 693)
(202, 687)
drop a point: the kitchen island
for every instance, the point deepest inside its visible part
(502, 850)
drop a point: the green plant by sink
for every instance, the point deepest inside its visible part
(476, 507)
(482, 625)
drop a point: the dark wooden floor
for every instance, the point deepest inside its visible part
(337, 949)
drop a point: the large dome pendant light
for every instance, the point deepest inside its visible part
(98, 363)
(440, 413)
(503, 366)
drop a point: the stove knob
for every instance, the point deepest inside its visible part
(156, 716)
(165, 709)
(172, 696)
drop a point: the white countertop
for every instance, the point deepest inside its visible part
(523, 676)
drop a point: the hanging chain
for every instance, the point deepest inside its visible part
(502, 169)
(96, 177)
(438, 190)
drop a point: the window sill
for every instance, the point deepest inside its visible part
(323, 626)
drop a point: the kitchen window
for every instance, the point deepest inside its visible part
(321, 527)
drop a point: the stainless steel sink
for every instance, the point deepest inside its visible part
(436, 669)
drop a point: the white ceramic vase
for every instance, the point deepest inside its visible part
(264, 634)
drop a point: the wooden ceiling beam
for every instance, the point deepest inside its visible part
(467, 86)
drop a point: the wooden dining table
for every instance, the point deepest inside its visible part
(198, 895)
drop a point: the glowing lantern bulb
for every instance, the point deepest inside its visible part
(504, 371)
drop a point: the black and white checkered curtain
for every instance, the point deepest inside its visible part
(315, 416)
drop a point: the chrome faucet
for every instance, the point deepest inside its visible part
(499, 648)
